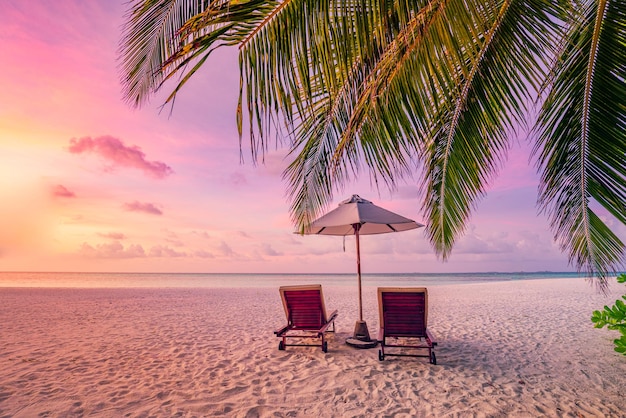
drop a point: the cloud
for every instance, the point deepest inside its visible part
(202, 234)
(203, 254)
(142, 207)
(113, 235)
(406, 243)
(111, 250)
(116, 152)
(226, 250)
(117, 250)
(472, 243)
(62, 191)
(266, 249)
(165, 251)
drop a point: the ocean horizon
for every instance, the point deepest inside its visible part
(251, 280)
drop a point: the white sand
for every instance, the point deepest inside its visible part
(521, 349)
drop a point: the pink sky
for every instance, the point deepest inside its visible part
(89, 184)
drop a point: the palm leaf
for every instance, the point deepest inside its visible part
(581, 143)
(148, 39)
(162, 37)
(345, 126)
(471, 141)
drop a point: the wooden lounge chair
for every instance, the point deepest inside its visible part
(306, 315)
(403, 318)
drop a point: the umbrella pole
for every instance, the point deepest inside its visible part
(361, 337)
(358, 268)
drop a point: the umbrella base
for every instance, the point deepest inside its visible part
(361, 344)
(361, 338)
(361, 332)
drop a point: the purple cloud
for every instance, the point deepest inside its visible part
(203, 254)
(112, 250)
(62, 191)
(165, 251)
(475, 244)
(142, 207)
(115, 151)
(266, 249)
(226, 250)
(202, 234)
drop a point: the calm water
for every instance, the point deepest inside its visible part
(165, 280)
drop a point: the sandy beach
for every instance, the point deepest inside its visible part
(520, 349)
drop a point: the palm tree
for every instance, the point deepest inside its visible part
(434, 87)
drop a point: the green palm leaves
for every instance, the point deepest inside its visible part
(580, 135)
(488, 102)
(404, 88)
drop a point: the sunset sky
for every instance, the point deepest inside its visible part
(88, 183)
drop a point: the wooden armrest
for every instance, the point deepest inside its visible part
(281, 330)
(332, 316)
(431, 338)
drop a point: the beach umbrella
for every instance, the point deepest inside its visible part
(357, 216)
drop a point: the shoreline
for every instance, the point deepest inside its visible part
(518, 348)
(266, 280)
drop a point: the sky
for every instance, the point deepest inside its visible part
(90, 184)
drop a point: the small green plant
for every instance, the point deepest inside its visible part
(614, 318)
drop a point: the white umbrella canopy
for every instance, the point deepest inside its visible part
(371, 219)
(358, 216)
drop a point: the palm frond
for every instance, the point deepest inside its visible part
(148, 39)
(162, 37)
(581, 143)
(348, 126)
(471, 141)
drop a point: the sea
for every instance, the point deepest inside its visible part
(230, 280)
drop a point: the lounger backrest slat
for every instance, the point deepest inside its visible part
(404, 313)
(305, 310)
